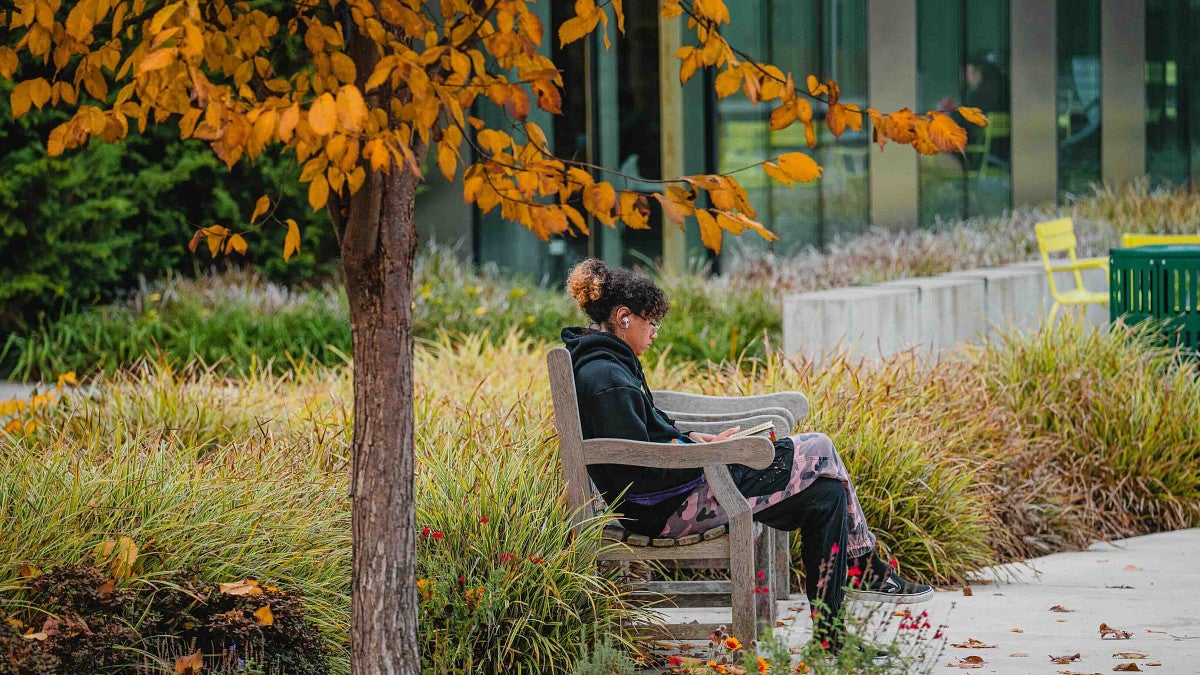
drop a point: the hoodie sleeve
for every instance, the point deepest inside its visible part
(622, 412)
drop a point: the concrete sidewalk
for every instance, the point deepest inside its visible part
(1148, 586)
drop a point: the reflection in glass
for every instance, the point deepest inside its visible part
(826, 38)
(1078, 95)
(963, 60)
(1172, 93)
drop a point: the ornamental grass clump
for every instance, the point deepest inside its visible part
(247, 480)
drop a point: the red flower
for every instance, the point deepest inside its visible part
(437, 534)
(834, 550)
(425, 531)
(854, 571)
(676, 660)
(505, 557)
(825, 643)
(484, 520)
(762, 574)
(895, 564)
(536, 559)
(462, 579)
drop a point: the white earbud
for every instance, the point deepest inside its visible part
(625, 322)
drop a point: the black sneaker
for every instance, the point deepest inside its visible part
(891, 589)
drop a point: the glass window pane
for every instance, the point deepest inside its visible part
(963, 60)
(1078, 96)
(826, 38)
(1169, 80)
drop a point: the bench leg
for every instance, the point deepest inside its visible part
(764, 555)
(783, 565)
(742, 578)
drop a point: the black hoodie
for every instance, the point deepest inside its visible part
(615, 402)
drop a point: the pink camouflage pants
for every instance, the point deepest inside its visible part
(815, 457)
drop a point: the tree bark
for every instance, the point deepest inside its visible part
(378, 241)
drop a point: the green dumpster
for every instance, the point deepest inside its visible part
(1162, 283)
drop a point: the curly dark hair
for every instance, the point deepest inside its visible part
(600, 289)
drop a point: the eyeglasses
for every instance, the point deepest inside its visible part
(653, 324)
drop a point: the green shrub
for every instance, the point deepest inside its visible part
(85, 227)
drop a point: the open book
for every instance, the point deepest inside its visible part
(764, 428)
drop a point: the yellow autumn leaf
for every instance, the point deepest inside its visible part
(351, 109)
(288, 121)
(815, 88)
(189, 665)
(8, 62)
(260, 207)
(264, 615)
(799, 167)
(728, 81)
(973, 115)
(19, 100)
(777, 174)
(783, 116)
(343, 67)
(243, 587)
(323, 116)
(946, 134)
(158, 60)
(710, 232)
(291, 242)
(119, 554)
(836, 119)
(67, 379)
(318, 193)
(235, 243)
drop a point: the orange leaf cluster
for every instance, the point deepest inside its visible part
(211, 69)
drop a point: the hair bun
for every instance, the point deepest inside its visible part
(585, 283)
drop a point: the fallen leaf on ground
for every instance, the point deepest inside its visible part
(1018, 654)
(1060, 608)
(972, 643)
(1130, 667)
(1129, 655)
(1131, 568)
(968, 662)
(1065, 659)
(1102, 561)
(1061, 620)
(1152, 663)
(1107, 632)
(1121, 587)
(244, 587)
(1075, 672)
(1017, 630)
(189, 665)
(1151, 630)
(968, 592)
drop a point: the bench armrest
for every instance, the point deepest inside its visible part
(1081, 264)
(755, 452)
(681, 402)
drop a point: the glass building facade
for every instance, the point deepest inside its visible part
(1045, 86)
(963, 60)
(1078, 95)
(826, 38)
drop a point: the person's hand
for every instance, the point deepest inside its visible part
(701, 437)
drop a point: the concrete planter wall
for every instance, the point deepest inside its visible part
(927, 314)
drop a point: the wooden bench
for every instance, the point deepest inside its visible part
(744, 547)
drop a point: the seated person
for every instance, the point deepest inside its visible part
(806, 488)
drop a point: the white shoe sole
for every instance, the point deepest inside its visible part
(891, 598)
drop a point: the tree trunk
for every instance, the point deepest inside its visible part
(378, 240)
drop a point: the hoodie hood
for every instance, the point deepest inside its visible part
(588, 344)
